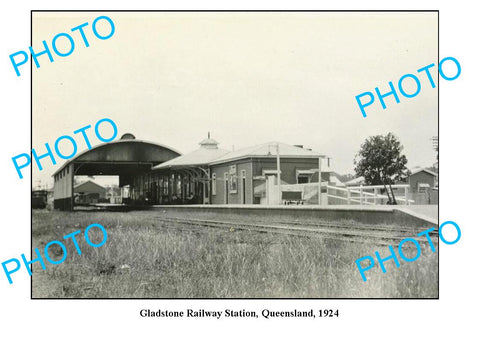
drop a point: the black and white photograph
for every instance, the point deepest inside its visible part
(226, 157)
(238, 170)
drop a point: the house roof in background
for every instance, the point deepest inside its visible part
(88, 186)
(334, 179)
(355, 181)
(425, 170)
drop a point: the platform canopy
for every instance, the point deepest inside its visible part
(121, 157)
(126, 158)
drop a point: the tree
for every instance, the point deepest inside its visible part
(380, 162)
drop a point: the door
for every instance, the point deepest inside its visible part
(243, 190)
(226, 188)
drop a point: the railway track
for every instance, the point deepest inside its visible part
(377, 227)
(381, 235)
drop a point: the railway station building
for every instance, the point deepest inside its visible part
(154, 174)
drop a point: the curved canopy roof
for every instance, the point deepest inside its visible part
(124, 151)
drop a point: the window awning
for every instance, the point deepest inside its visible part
(423, 185)
(306, 172)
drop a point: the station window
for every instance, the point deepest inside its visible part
(233, 183)
(68, 169)
(233, 179)
(304, 176)
(214, 184)
(301, 179)
(423, 187)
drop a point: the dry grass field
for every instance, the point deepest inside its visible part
(147, 258)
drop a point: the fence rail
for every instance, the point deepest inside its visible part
(362, 195)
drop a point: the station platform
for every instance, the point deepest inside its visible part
(380, 214)
(429, 212)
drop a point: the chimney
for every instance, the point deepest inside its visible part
(299, 146)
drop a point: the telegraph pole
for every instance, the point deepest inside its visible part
(319, 180)
(279, 181)
(434, 140)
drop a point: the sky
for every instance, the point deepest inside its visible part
(247, 78)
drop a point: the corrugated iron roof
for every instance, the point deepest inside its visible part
(89, 182)
(115, 142)
(201, 156)
(268, 150)
(423, 169)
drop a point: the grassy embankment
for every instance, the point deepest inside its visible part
(146, 258)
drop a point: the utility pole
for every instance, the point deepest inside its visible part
(319, 180)
(435, 147)
(279, 181)
(434, 140)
